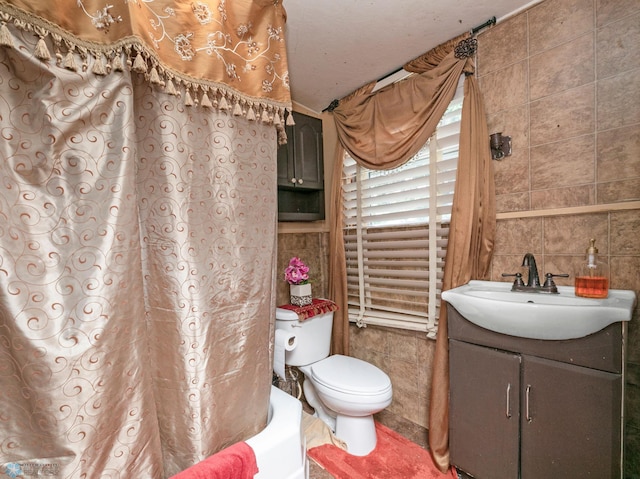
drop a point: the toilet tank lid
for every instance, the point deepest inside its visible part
(286, 314)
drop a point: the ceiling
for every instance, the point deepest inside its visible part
(336, 46)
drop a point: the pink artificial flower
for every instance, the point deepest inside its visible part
(297, 272)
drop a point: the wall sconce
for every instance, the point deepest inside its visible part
(500, 146)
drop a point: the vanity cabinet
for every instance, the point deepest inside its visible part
(301, 171)
(532, 409)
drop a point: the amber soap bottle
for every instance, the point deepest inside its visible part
(592, 278)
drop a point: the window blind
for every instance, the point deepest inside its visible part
(396, 228)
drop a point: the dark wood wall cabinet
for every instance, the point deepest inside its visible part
(301, 171)
(533, 409)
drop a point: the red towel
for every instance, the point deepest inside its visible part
(234, 462)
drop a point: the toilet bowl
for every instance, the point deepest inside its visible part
(345, 392)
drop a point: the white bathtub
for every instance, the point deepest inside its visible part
(280, 447)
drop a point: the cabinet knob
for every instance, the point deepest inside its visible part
(300, 181)
(293, 180)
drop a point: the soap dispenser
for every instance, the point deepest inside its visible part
(592, 278)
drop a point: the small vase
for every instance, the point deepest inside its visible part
(300, 294)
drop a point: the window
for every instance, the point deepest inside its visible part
(396, 229)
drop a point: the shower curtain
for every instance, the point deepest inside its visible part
(137, 260)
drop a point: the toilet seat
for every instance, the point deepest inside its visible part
(350, 375)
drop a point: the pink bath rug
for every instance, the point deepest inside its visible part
(393, 457)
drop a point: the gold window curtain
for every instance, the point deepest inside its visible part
(471, 239)
(383, 130)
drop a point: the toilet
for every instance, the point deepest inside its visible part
(345, 392)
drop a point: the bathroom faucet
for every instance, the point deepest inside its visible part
(533, 281)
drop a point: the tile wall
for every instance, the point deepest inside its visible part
(313, 249)
(563, 79)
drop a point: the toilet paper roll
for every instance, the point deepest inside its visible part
(285, 341)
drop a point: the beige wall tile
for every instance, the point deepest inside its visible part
(426, 352)
(403, 345)
(570, 234)
(512, 174)
(617, 191)
(611, 10)
(513, 202)
(563, 197)
(619, 101)
(507, 264)
(617, 47)
(505, 89)
(556, 21)
(562, 265)
(404, 402)
(618, 153)
(625, 274)
(564, 163)
(403, 382)
(518, 236)
(422, 414)
(625, 233)
(502, 45)
(561, 68)
(424, 391)
(565, 115)
(375, 339)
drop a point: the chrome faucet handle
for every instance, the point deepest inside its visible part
(518, 281)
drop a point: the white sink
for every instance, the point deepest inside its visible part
(492, 305)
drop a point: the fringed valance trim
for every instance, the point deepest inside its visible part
(75, 54)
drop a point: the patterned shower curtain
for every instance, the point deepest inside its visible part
(137, 249)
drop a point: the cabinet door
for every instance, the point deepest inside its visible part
(301, 161)
(308, 152)
(484, 410)
(286, 171)
(571, 423)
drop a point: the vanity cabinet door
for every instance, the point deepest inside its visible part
(571, 424)
(484, 410)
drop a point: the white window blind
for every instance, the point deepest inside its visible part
(396, 227)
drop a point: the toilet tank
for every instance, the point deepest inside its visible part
(313, 336)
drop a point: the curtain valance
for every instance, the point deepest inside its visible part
(224, 55)
(384, 129)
